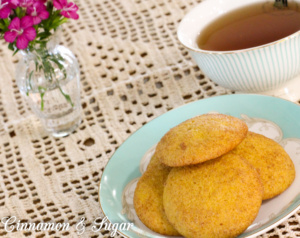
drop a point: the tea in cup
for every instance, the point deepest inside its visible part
(247, 46)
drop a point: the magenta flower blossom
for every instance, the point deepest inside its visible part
(22, 30)
(26, 3)
(68, 10)
(14, 3)
(5, 9)
(38, 11)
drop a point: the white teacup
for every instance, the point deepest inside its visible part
(254, 70)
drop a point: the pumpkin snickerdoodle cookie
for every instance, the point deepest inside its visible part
(274, 165)
(148, 198)
(217, 198)
(200, 139)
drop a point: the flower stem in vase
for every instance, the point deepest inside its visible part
(48, 73)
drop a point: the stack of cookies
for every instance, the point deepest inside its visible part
(208, 178)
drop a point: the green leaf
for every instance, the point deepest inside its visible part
(11, 46)
(18, 12)
(56, 61)
(2, 25)
(50, 7)
(6, 22)
(67, 96)
(63, 20)
(43, 35)
(57, 21)
(16, 51)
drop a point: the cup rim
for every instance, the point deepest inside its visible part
(198, 50)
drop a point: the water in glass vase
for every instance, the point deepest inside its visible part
(50, 83)
(59, 116)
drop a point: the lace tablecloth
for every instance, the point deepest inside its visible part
(132, 70)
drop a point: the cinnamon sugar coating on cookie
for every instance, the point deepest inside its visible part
(272, 162)
(219, 198)
(200, 139)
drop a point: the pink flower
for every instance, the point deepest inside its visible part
(22, 30)
(68, 10)
(5, 9)
(26, 3)
(38, 11)
(14, 3)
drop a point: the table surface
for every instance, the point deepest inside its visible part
(132, 69)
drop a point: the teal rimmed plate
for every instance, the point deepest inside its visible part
(274, 117)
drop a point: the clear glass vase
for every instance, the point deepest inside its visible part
(48, 77)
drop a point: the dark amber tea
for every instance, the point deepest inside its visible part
(250, 26)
